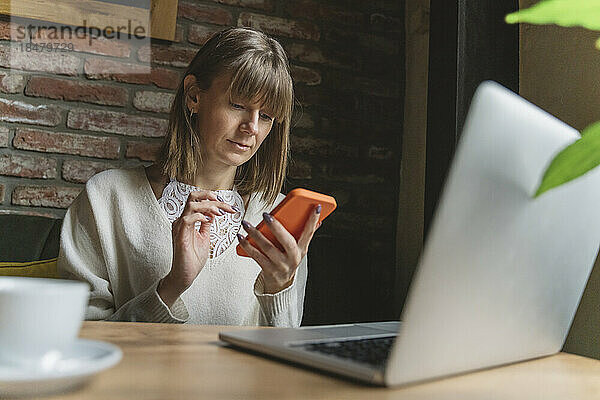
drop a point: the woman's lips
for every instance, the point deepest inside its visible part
(239, 145)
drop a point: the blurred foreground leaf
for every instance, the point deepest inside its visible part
(584, 13)
(573, 161)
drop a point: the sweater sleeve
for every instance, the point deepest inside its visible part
(81, 257)
(284, 308)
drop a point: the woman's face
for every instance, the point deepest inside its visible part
(231, 131)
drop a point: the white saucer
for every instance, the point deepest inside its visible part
(75, 367)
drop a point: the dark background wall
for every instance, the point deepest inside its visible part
(64, 117)
(469, 43)
(354, 154)
(452, 46)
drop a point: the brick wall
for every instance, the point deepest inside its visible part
(65, 117)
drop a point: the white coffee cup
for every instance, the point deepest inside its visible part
(39, 318)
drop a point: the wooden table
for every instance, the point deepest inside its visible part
(163, 361)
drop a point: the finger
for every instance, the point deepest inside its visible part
(270, 269)
(283, 236)
(207, 207)
(228, 208)
(190, 220)
(225, 206)
(232, 209)
(196, 197)
(222, 205)
(262, 243)
(204, 227)
(253, 252)
(309, 229)
(216, 207)
(199, 195)
(183, 225)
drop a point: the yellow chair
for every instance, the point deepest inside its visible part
(29, 245)
(34, 269)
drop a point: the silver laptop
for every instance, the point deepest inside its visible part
(501, 274)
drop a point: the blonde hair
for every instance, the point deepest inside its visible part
(260, 73)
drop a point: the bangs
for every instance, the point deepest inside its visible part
(257, 80)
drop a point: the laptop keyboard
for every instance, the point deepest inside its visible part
(372, 351)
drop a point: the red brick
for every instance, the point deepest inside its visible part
(165, 78)
(389, 44)
(380, 43)
(379, 153)
(266, 5)
(204, 13)
(69, 90)
(45, 196)
(300, 170)
(153, 101)
(97, 68)
(178, 34)
(143, 150)
(314, 10)
(114, 122)
(375, 87)
(305, 75)
(18, 111)
(55, 63)
(280, 26)
(385, 23)
(27, 166)
(343, 104)
(12, 31)
(175, 56)
(321, 148)
(97, 45)
(4, 132)
(341, 174)
(368, 202)
(347, 223)
(340, 127)
(80, 171)
(66, 143)
(199, 34)
(11, 82)
(379, 132)
(310, 53)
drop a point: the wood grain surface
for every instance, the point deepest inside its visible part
(163, 361)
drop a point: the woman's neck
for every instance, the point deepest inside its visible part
(215, 179)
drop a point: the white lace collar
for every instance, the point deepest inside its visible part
(224, 228)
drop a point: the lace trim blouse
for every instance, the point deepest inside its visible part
(223, 229)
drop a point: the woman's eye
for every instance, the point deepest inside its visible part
(266, 117)
(238, 106)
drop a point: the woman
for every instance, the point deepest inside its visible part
(158, 244)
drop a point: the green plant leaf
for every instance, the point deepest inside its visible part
(574, 160)
(584, 13)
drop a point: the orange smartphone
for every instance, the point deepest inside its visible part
(293, 212)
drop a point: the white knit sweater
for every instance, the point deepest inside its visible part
(116, 237)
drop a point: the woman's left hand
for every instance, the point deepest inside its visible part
(279, 267)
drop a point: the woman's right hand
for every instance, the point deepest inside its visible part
(191, 247)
